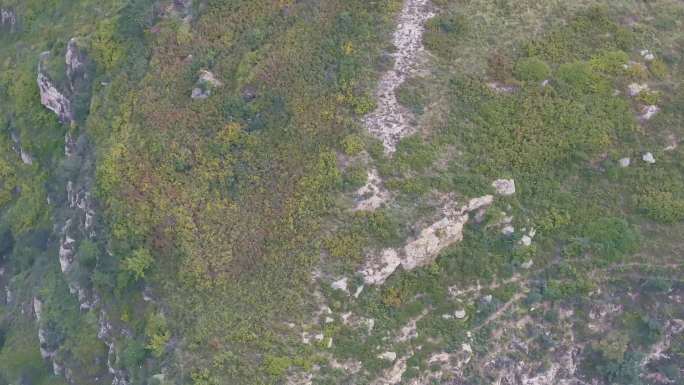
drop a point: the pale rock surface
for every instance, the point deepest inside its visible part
(635, 89)
(504, 187)
(340, 284)
(647, 112)
(25, 157)
(8, 18)
(75, 60)
(425, 248)
(391, 121)
(37, 308)
(438, 357)
(393, 375)
(508, 230)
(389, 356)
(373, 194)
(410, 330)
(648, 158)
(526, 240)
(647, 55)
(673, 143)
(501, 88)
(51, 97)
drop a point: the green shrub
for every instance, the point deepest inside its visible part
(106, 46)
(363, 104)
(443, 33)
(610, 62)
(138, 263)
(20, 360)
(87, 254)
(449, 24)
(276, 366)
(133, 354)
(531, 70)
(354, 177)
(661, 206)
(649, 97)
(658, 68)
(352, 144)
(611, 238)
(415, 154)
(345, 246)
(157, 333)
(412, 96)
(578, 78)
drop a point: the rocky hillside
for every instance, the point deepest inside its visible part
(355, 192)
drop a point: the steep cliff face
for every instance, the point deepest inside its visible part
(78, 224)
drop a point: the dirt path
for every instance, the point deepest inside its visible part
(390, 121)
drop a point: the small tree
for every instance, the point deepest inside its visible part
(138, 263)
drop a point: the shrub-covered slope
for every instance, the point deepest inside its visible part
(206, 192)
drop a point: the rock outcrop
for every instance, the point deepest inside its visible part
(648, 158)
(8, 19)
(26, 158)
(504, 187)
(80, 206)
(51, 97)
(76, 65)
(424, 249)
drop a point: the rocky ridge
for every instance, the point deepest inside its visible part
(80, 208)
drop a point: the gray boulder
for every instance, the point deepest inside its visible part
(51, 97)
(8, 19)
